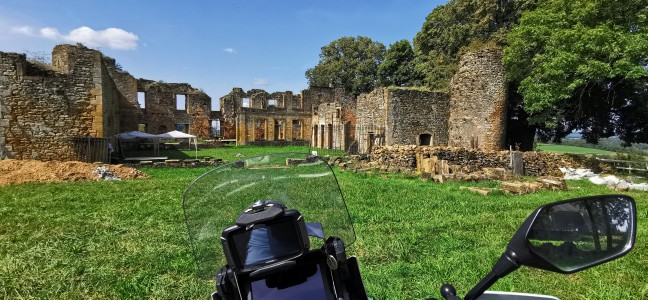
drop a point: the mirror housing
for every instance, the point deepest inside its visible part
(577, 234)
(567, 237)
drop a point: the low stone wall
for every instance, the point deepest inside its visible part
(460, 160)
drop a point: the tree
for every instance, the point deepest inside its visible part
(582, 65)
(398, 68)
(349, 62)
(459, 24)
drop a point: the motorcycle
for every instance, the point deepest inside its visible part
(277, 227)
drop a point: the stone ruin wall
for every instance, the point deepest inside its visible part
(414, 113)
(334, 119)
(130, 113)
(42, 106)
(479, 101)
(288, 119)
(160, 113)
(390, 116)
(81, 94)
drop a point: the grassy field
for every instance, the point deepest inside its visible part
(127, 240)
(228, 152)
(572, 149)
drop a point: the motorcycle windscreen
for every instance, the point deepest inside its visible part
(302, 182)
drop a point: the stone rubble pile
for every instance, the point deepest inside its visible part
(454, 160)
(105, 174)
(611, 181)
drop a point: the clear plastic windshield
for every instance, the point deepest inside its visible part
(302, 182)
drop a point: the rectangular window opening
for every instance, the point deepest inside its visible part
(141, 99)
(182, 128)
(272, 102)
(181, 102)
(245, 102)
(215, 127)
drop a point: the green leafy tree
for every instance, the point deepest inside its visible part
(582, 65)
(460, 24)
(398, 68)
(349, 62)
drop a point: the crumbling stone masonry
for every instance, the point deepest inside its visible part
(478, 101)
(334, 120)
(390, 116)
(163, 113)
(44, 108)
(258, 117)
(472, 115)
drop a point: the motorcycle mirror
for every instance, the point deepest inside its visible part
(568, 236)
(573, 235)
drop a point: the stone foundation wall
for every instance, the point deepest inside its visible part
(479, 102)
(406, 158)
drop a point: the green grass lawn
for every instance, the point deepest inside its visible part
(228, 152)
(572, 149)
(127, 240)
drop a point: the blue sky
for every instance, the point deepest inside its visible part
(212, 45)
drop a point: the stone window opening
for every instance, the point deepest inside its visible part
(337, 113)
(279, 130)
(215, 127)
(297, 130)
(181, 102)
(141, 99)
(425, 139)
(182, 128)
(245, 102)
(272, 102)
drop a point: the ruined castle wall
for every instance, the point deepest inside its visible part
(162, 115)
(371, 118)
(478, 101)
(130, 114)
(333, 127)
(42, 106)
(269, 117)
(417, 117)
(390, 116)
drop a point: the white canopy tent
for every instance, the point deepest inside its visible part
(180, 135)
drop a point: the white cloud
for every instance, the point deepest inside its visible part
(50, 33)
(260, 81)
(26, 30)
(230, 50)
(113, 38)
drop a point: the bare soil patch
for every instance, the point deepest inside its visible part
(19, 171)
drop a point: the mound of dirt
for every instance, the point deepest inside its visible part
(18, 171)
